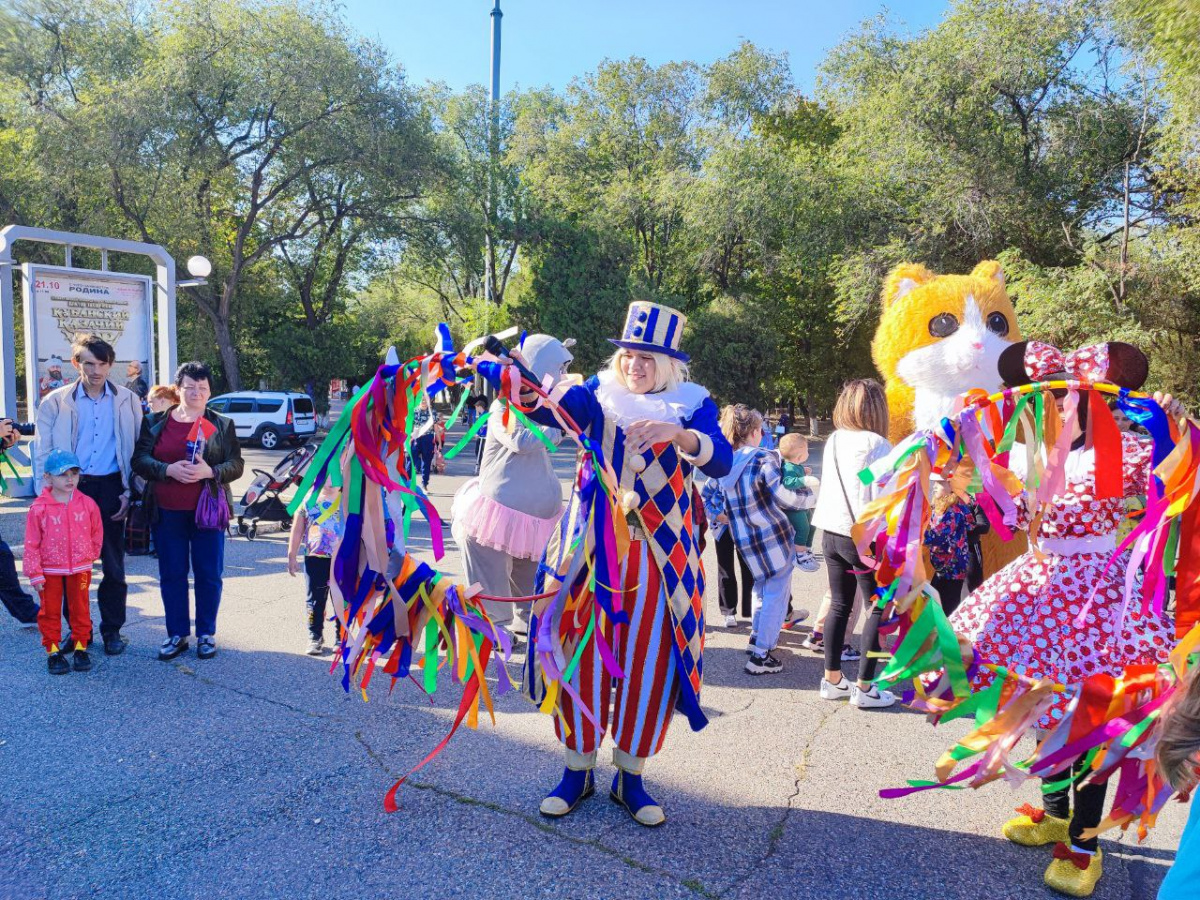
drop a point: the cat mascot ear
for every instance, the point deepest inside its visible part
(991, 270)
(902, 280)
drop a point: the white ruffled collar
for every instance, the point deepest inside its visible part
(625, 407)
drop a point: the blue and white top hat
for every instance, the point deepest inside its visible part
(653, 328)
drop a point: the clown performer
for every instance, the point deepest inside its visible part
(503, 519)
(653, 427)
(1024, 616)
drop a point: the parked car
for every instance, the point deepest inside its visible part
(268, 417)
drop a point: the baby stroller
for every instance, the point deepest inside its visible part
(262, 502)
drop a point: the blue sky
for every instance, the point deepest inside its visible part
(552, 41)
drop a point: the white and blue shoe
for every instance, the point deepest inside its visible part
(575, 787)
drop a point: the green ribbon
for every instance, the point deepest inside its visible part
(333, 440)
(1169, 552)
(569, 672)
(466, 438)
(1010, 431)
(430, 661)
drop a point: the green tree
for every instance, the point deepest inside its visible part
(221, 128)
(579, 287)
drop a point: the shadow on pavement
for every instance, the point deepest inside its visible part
(252, 775)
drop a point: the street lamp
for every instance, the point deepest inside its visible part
(199, 268)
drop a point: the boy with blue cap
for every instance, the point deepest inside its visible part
(63, 537)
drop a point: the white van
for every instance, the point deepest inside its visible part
(268, 417)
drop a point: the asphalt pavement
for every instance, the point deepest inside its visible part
(253, 775)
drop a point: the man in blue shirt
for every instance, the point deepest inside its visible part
(99, 422)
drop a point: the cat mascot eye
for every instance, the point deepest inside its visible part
(944, 324)
(997, 324)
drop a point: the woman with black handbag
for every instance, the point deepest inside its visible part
(189, 455)
(860, 420)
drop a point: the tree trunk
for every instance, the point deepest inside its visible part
(229, 356)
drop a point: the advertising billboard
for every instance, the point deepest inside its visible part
(61, 303)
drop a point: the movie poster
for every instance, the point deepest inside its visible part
(60, 303)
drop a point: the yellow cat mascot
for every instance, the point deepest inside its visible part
(940, 336)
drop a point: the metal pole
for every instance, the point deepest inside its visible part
(489, 274)
(497, 15)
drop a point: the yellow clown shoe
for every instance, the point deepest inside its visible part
(1036, 828)
(1072, 873)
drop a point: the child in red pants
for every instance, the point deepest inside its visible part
(63, 537)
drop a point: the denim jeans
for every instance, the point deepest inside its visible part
(770, 600)
(179, 543)
(847, 572)
(422, 449)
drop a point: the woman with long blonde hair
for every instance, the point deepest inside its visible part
(654, 427)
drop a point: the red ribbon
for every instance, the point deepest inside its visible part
(1080, 860)
(1187, 572)
(470, 692)
(1106, 442)
(1036, 815)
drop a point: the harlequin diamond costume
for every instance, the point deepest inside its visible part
(1061, 647)
(641, 658)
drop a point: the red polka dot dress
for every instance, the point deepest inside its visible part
(1023, 617)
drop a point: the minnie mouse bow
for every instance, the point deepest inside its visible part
(1115, 362)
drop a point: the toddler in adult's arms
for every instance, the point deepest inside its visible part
(797, 476)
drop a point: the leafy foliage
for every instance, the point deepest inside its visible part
(346, 210)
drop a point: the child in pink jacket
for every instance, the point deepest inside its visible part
(63, 537)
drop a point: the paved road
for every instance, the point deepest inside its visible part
(253, 776)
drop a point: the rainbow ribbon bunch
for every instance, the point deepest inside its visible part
(1108, 725)
(404, 617)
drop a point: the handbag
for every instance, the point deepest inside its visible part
(212, 510)
(841, 481)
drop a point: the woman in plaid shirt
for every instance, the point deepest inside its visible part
(757, 501)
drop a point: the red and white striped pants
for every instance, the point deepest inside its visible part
(641, 710)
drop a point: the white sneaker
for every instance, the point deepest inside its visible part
(731, 621)
(797, 616)
(872, 699)
(806, 562)
(839, 691)
(316, 646)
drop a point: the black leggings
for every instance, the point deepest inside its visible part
(950, 590)
(316, 576)
(1089, 807)
(847, 571)
(727, 586)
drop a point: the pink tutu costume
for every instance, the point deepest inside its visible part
(503, 519)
